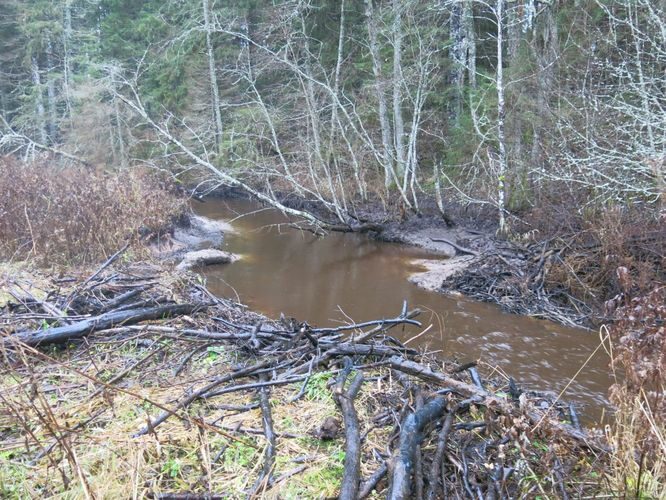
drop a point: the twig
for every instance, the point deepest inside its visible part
(198, 393)
(368, 485)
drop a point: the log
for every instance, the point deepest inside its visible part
(207, 257)
(80, 329)
(411, 436)
(121, 299)
(344, 398)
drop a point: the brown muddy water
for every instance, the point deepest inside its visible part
(343, 277)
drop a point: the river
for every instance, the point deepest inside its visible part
(344, 277)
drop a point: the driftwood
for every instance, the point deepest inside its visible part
(82, 328)
(345, 400)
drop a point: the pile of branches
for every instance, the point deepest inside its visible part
(516, 277)
(453, 433)
(568, 276)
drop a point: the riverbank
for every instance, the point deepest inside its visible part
(209, 398)
(519, 275)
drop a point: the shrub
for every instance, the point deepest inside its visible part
(638, 434)
(78, 215)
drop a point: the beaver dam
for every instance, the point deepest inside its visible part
(351, 276)
(131, 381)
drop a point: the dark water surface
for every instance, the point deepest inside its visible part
(328, 281)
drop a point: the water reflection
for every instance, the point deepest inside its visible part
(343, 276)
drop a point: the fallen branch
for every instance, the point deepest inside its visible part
(369, 485)
(344, 398)
(265, 478)
(411, 436)
(198, 393)
(82, 328)
(487, 399)
(456, 246)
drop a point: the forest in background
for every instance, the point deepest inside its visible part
(509, 105)
(544, 119)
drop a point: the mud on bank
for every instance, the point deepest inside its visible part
(209, 398)
(523, 274)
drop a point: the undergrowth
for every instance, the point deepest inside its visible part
(637, 436)
(77, 215)
(591, 241)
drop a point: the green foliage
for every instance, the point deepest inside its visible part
(317, 388)
(12, 477)
(239, 456)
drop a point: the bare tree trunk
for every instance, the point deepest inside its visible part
(463, 51)
(457, 54)
(51, 91)
(214, 90)
(501, 112)
(398, 123)
(119, 131)
(66, 38)
(389, 172)
(311, 102)
(470, 36)
(335, 122)
(39, 100)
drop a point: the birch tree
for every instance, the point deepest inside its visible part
(212, 73)
(616, 131)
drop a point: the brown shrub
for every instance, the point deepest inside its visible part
(77, 215)
(592, 242)
(638, 434)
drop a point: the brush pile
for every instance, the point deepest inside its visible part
(132, 382)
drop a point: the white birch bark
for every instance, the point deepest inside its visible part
(501, 112)
(212, 75)
(39, 100)
(384, 124)
(398, 122)
(66, 40)
(51, 91)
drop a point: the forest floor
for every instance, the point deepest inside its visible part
(200, 396)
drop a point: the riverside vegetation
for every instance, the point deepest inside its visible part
(130, 379)
(538, 124)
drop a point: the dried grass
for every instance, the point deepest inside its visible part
(77, 215)
(637, 465)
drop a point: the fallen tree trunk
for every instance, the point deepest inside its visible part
(80, 329)
(411, 436)
(344, 398)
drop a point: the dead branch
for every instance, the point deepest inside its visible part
(82, 328)
(411, 436)
(345, 400)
